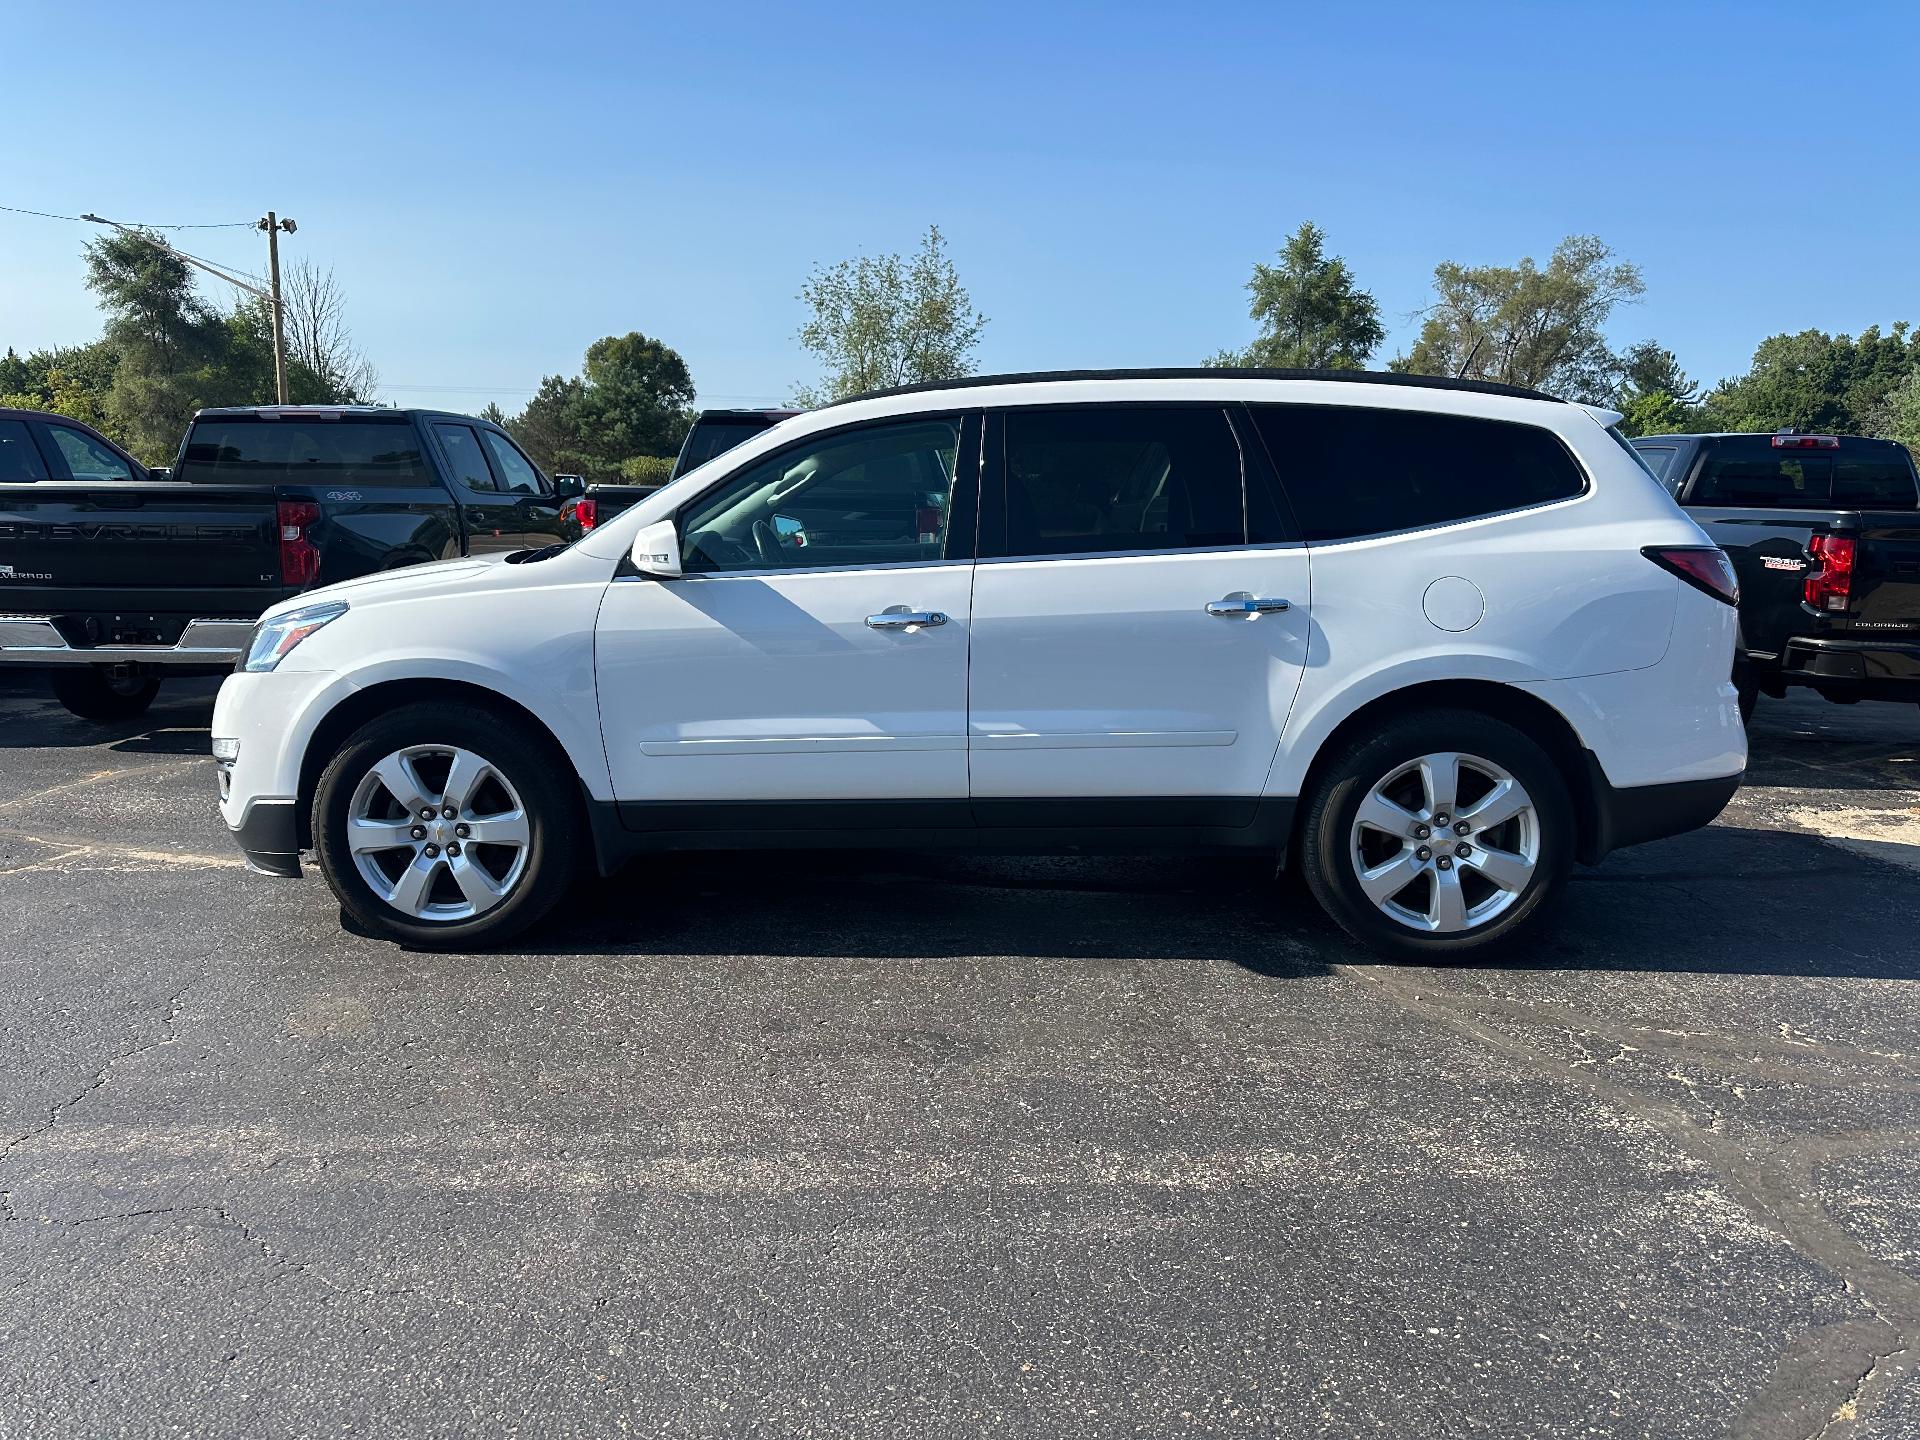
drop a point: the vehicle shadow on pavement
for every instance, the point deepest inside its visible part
(1718, 901)
(177, 723)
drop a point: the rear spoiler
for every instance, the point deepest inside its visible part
(1607, 418)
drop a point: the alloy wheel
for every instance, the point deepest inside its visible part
(1445, 843)
(438, 833)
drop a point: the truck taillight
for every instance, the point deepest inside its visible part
(1830, 582)
(1705, 567)
(1788, 441)
(587, 512)
(299, 560)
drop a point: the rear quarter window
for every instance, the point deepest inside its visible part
(1354, 470)
(323, 452)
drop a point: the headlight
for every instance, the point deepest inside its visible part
(273, 640)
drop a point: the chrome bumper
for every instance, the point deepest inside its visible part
(34, 640)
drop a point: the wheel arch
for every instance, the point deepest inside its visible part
(1527, 713)
(360, 706)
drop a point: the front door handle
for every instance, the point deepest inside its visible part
(904, 619)
(1245, 605)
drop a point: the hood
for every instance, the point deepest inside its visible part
(391, 584)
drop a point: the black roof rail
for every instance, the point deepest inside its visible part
(1213, 372)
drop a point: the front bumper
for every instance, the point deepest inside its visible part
(269, 836)
(206, 644)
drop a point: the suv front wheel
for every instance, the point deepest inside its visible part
(1441, 833)
(444, 826)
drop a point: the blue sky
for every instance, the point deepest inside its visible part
(496, 185)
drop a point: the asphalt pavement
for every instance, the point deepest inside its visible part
(902, 1145)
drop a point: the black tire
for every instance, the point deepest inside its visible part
(1327, 827)
(95, 693)
(545, 786)
(1749, 697)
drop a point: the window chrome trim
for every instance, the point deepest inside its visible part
(764, 572)
(1271, 545)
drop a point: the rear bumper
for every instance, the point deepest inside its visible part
(206, 644)
(269, 836)
(1634, 814)
(1873, 664)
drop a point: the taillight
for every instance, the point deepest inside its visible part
(1830, 582)
(1806, 442)
(1705, 567)
(587, 512)
(299, 560)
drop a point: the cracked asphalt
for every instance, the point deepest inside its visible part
(911, 1145)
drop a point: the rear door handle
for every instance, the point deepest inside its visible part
(1245, 605)
(904, 619)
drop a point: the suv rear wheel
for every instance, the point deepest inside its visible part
(444, 826)
(1442, 833)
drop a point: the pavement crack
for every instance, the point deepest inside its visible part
(100, 1077)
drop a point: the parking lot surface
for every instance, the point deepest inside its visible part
(889, 1145)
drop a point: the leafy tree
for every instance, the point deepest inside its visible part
(1312, 316)
(637, 400)
(1524, 325)
(68, 380)
(633, 401)
(1817, 381)
(494, 413)
(882, 320)
(1655, 396)
(166, 335)
(1901, 413)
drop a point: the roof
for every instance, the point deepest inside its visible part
(1757, 435)
(1211, 372)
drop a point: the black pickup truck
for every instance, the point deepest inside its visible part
(112, 578)
(1824, 535)
(714, 432)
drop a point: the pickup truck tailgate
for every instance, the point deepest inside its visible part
(1884, 598)
(60, 544)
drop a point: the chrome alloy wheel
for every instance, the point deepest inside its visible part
(438, 833)
(1445, 843)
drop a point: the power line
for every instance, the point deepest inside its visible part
(138, 224)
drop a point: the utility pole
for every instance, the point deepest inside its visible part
(273, 226)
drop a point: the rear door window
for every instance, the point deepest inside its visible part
(1095, 479)
(356, 453)
(86, 457)
(19, 459)
(463, 453)
(1355, 470)
(517, 475)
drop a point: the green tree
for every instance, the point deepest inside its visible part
(1899, 415)
(494, 413)
(1312, 316)
(883, 320)
(638, 398)
(1524, 325)
(1655, 396)
(633, 400)
(1816, 381)
(167, 337)
(67, 379)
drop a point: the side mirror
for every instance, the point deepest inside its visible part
(159, 474)
(569, 487)
(656, 551)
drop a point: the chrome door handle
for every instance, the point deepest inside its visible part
(1245, 605)
(904, 619)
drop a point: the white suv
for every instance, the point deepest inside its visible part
(1430, 641)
